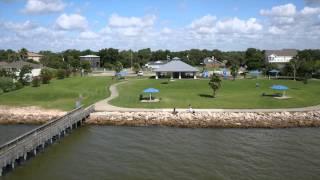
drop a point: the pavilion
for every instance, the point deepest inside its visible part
(176, 68)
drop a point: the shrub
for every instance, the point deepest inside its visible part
(6, 84)
(46, 75)
(61, 74)
(68, 72)
(18, 85)
(36, 82)
(108, 66)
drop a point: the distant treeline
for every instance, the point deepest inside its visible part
(251, 58)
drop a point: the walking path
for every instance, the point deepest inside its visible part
(105, 106)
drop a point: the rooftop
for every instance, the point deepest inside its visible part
(91, 56)
(176, 66)
(32, 54)
(283, 52)
(19, 65)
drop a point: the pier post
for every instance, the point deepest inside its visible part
(35, 152)
(25, 156)
(51, 141)
(12, 165)
(43, 144)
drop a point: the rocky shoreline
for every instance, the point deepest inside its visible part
(200, 119)
(208, 119)
(27, 115)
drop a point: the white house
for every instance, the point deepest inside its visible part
(280, 56)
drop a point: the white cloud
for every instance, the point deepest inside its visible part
(166, 30)
(89, 35)
(286, 10)
(27, 25)
(280, 15)
(72, 22)
(275, 30)
(43, 6)
(122, 22)
(310, 11)
(133, 27)
(236, 25)
(205, 21)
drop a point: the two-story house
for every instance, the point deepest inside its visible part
(280, 56)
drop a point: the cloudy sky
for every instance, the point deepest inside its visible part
(167, 24)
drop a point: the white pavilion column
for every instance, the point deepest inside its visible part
(194, 75)
(157, 76)
(171, 76)
(179, 75)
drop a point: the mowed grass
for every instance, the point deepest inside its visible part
(233, 94)
(60, 94)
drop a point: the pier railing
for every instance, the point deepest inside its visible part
(38, 137)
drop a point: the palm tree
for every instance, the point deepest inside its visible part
(295, 64)
(215, 84)
(23, 53)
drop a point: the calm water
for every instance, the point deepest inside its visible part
(102, 152)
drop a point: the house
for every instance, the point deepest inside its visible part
(176, 69)
(17, 65)
(92, 59)
(34, 56)
(280, 56)
(153, 65)
(212, 62)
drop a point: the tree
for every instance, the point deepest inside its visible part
(144, 55)
(118, 67)
(110, 55)
(234, 71)
(255, 58)
(295, 64)
(215, 84)
(136, 67)
(23, 75)
(23, 53)
(46, 75)
(86, 66)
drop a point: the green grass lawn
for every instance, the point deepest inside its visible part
(60, 94)
(233, 94)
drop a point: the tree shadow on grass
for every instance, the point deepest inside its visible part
(205, 95)
(165, 83)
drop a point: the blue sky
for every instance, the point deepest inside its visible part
(176, 25)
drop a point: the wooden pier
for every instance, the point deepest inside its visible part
(25, 146)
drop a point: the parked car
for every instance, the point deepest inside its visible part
(140, 73)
